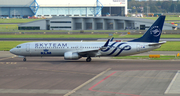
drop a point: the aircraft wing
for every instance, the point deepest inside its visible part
(90, 52)
(87, 52)
(155, 44)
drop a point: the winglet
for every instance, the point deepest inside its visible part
(111, 39)
(106, 44)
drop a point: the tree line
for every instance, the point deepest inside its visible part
(154, 6)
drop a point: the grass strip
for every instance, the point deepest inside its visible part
(170, 46)
(167, 18)
(11, 20)
(59, 36)
(7, 45)
(147, 57)
(80, 36)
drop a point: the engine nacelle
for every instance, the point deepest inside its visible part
(71, 56)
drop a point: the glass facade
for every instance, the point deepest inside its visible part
(88, 25)
(99, 26)
(110, 26)
(113, 11)
(78, 26)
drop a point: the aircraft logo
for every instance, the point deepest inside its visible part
(155, 31)
(45, 52)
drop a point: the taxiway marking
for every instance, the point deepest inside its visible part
(171, 84)
(8, 57)
(8, 62)
(91, 88)
(87, 82)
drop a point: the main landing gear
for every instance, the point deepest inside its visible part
(24, 59)
(88, 59)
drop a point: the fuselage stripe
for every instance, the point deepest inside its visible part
(116, 48)
(109, 47)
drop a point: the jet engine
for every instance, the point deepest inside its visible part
(71, 56)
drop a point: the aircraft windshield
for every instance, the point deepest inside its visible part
(18, 46)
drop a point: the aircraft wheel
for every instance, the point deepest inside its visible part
(88, 59)
(24, 59)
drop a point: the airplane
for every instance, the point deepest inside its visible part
(75, 50)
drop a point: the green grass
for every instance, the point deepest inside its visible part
(59, 36)
(167, 18)
(17, 20)
(7, 45)
(8, 27)
(4, 29)
(162, 36)
(147, 57)
(170, 46)
(79, 36)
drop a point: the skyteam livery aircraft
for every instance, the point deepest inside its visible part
(76, 50)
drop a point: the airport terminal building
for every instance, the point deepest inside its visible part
(91, 23)
(49, 8)
(74, 15)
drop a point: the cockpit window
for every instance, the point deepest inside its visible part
(18, 46)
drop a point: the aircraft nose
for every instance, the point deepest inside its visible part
(12, 51)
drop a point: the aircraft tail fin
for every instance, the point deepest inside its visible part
(153, 33)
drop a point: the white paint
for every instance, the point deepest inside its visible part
(77, 3)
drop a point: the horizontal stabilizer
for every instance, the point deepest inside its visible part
(155, 44)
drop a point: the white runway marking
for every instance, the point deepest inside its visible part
(87, 82)
(174, 86)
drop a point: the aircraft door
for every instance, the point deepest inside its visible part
(137, 47)
(27, 47)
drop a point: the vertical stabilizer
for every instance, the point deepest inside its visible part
(153, 34)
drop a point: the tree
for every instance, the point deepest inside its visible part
(172, 8)
(178, 8)
(166, 5)
(153, 9)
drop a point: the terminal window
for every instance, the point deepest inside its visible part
(78, 26)
(60, 21)
(60, 26)
(28, 28)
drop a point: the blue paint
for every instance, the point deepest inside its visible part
(45, 52)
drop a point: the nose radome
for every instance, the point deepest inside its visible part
(12, 51)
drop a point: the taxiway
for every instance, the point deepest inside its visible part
(54, 76)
